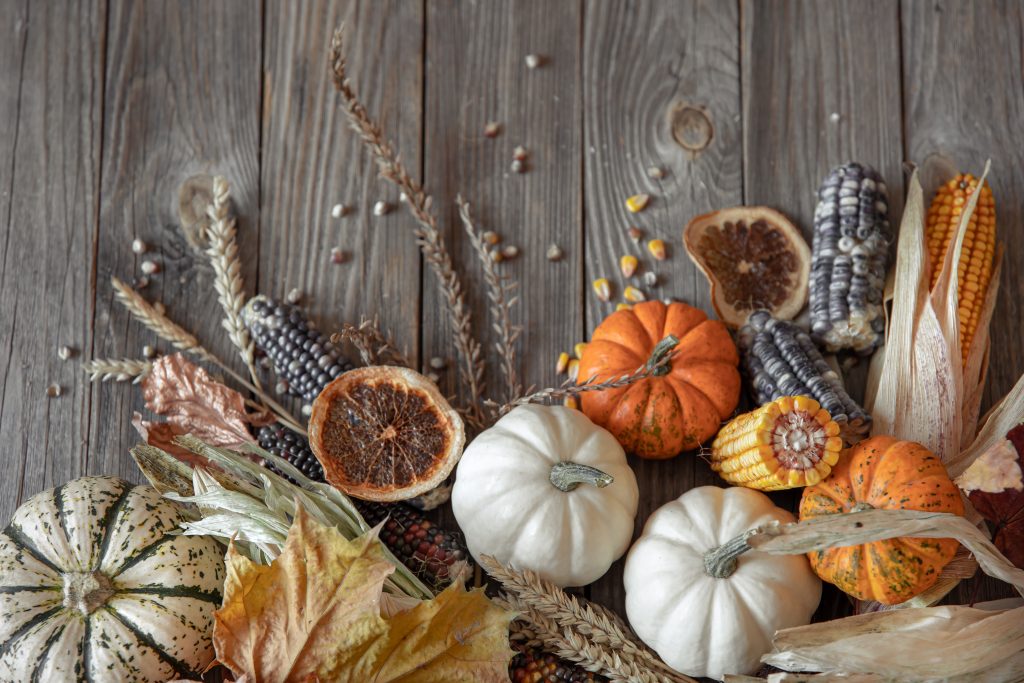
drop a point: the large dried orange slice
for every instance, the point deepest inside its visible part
(754, 258)
(385, 433)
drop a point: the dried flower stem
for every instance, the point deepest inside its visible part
(585, 633)
(171, 332)
(117, 369)
(660, 358)
(500, 290)
(374, 347)
(428, 237)
(222, 251)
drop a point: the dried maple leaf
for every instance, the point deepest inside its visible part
(1006, 509)
(314, 614)
(194, 404)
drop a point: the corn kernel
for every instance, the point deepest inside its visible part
(574, 369)
(657, 249)
(623, 307)
(571, 402)
(628, 265)
(633, 295)
(562, 363)
(603, 289)
(579, 349)
(638, 202)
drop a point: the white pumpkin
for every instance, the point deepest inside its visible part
(706, 625)
(546, 489)
(94, 587)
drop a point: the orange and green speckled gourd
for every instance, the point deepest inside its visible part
(884, 472)
(684, 405)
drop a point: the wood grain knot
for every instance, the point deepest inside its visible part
(194, 196)
(691, 127)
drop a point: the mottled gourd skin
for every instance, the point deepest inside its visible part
(660, 417)
(885, 473)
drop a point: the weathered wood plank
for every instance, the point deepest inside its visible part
(51, 89)
(656, 74)
(182, 97)
(821, 86)
(311, 162)
(475, 74)
(964, 103)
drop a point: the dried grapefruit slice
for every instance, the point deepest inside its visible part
(385, 434)
(754, 258)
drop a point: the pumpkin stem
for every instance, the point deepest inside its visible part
(721, 562)
(87, 591)
(861, 507)
(566, 476)
(656, 364)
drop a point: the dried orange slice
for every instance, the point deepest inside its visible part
(385, 433)
(754, 258)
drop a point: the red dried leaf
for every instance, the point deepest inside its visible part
(195, 404)
(1006, 509)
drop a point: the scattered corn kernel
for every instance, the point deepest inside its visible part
(562, 363)
(491, 237)
(628, 265)
(555, 253)
(633, 295)
(657, 249)
(623, 307)
(603, 289)
(635, 233)
(571, 402)
(574, 369)
(638, 202)
(579, 349)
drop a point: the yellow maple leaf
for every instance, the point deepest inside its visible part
(314, 615)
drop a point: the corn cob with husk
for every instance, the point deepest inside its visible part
(974, 270)
(780, 360)
(849, 257)
(787, 443)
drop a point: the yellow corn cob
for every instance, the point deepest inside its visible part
(974, 271)
(787, 443)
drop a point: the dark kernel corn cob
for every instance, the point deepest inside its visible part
(781, 360)
(427, 550)
(304, 358)
(533, 665)
(294, 448)
(849, 257)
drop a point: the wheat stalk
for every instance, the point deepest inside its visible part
(117, 369)
(374, 347)
(656, 365)
(428, 237)
(500, 290)
(222, 250)
(585, 633)
(171, 332)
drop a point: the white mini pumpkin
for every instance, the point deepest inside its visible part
(94, 587)
(707, 625)
(546, 489)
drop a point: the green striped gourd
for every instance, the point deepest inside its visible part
(94, 587)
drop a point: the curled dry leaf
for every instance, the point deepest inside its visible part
(315, 614)
(1005, 509)
(194, 404)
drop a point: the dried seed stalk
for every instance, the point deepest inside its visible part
(660, 357)
(428, 237)
(500, 290)
(117, 369)
(222, 250)
(585, 633)
(374, 347)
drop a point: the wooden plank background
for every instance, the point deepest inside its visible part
(109, 105)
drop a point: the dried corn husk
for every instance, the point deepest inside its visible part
(908, 644)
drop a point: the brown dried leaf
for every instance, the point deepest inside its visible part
(195, 404)
(1005, 509)
(315, 614)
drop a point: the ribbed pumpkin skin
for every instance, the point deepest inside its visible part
(660, 417)
(154, 621)
(890, 474)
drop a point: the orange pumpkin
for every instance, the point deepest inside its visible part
(685, 404)
(884, 472)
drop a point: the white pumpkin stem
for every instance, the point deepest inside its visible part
(654, 364)
(721, 562)
(566, 476)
